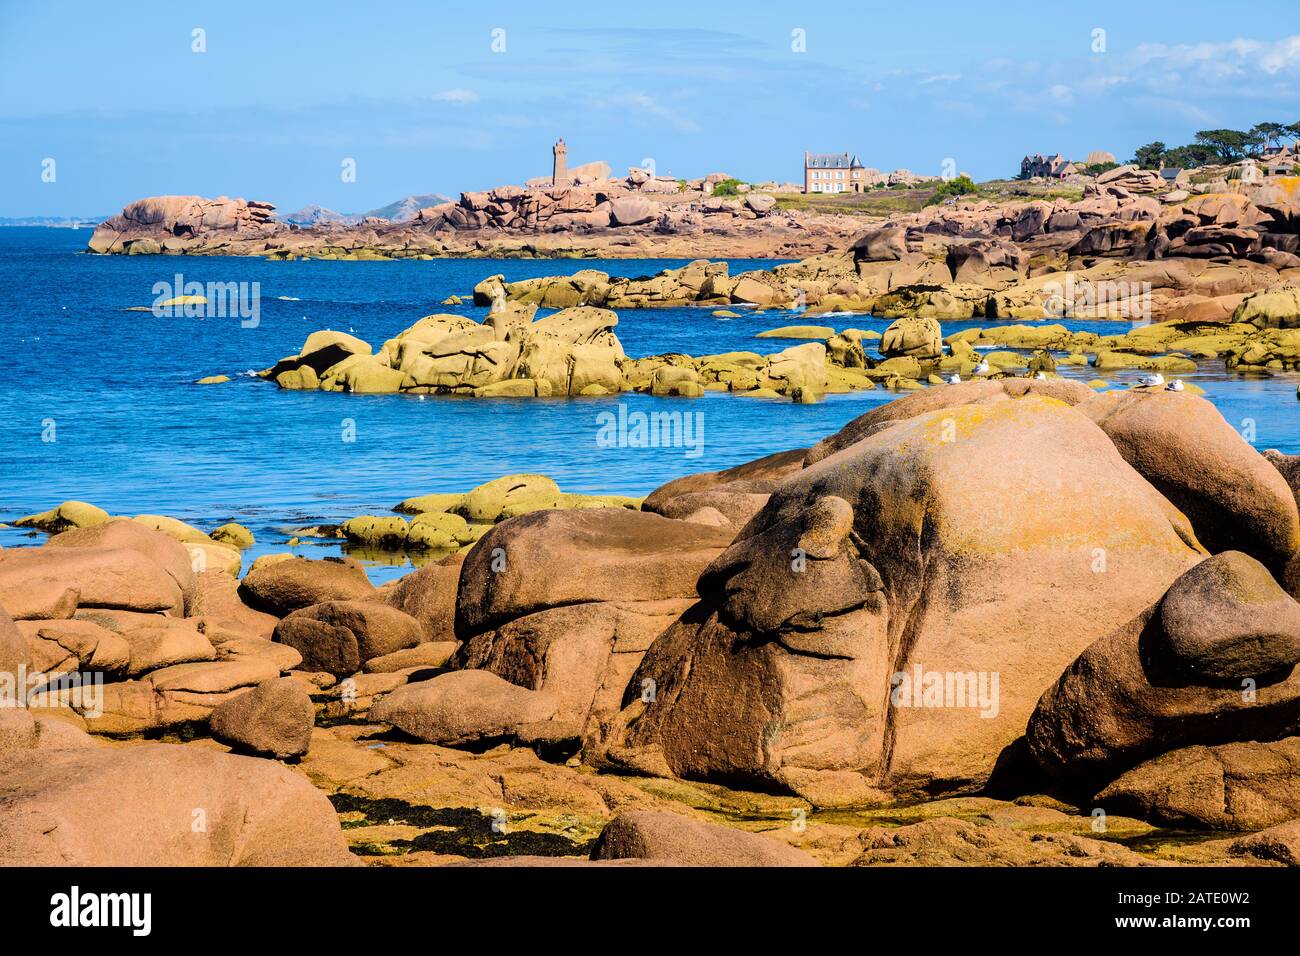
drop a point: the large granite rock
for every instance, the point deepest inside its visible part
(171, 222)
(1211, 662)
(69, 802)
(1233, 497)
(296, 583)
(908, 554)
(273, 719)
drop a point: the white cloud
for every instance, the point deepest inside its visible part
(456, 96)
(1229, 58)
(942, 78)
(648, 104)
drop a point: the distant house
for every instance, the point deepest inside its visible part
(1046, 167)
(1281, 161)
(832, 173)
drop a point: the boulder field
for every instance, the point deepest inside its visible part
(575, 352)
(514, 354)
(1254, 329)
(963, 629)
(1118, 253)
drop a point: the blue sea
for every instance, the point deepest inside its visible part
(132, 433)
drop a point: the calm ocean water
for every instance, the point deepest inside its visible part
(133, 434)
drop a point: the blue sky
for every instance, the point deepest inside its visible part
(416, 95)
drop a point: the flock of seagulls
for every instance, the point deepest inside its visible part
(1156, 380)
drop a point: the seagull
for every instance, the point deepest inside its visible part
(1151, 381)
(1175, 386)
(953, 379)
(982, 368)
(1040, 375)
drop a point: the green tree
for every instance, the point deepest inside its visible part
(1229, 145)
(952, 188)
(728, 187)
(1268, 134)
(1150, 155)
(1191, 156)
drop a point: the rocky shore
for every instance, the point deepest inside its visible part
(1003, 622)
(575, 351)
(575, 222)
(1210, 277)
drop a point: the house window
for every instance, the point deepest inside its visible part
(840, 174)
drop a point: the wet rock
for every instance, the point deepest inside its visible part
(70, 514)
(234, 534)
(509, 496)
(438, 531)
(918, 338)
(1276, 308)
(174, 528)
(388, 531)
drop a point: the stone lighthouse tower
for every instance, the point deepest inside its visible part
(560, 171)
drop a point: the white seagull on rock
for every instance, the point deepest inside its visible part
(953, 379)
(982, 368)
(1040, 375)
(1175, 386)
(1151, 381)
